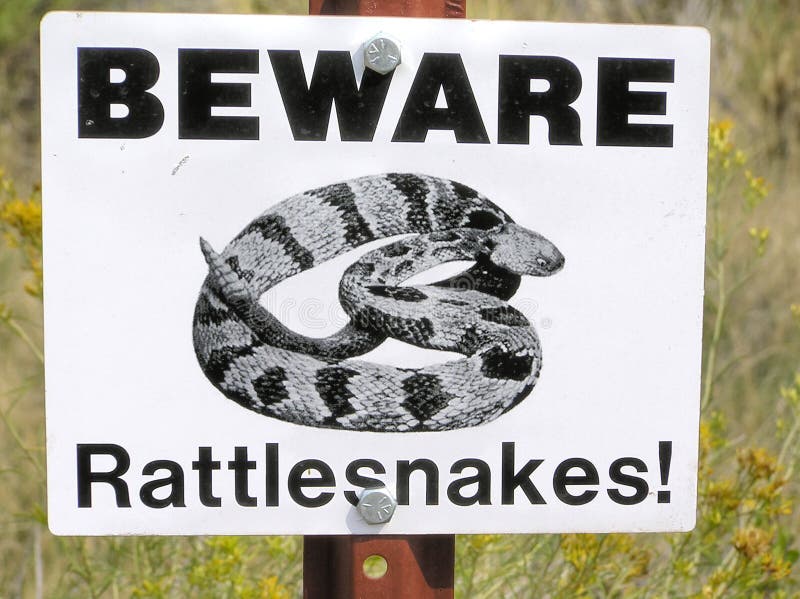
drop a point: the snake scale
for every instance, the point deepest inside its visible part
(256, 361)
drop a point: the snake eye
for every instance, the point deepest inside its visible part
(541, 261)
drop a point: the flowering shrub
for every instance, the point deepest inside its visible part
(21, 225)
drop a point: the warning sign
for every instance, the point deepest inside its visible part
(288, 259)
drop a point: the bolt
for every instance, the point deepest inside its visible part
(376, 506)
(382, 54)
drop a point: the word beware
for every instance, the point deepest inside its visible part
(311, 482)
(359, 105)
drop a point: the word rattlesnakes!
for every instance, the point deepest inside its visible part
(256, 361)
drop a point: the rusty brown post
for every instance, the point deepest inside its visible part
(418, 566)
(390, 8)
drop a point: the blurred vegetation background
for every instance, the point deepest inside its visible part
(745, 543)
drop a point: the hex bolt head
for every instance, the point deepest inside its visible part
(376, 506)
(382, 53)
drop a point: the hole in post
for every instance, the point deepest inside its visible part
(375, 566)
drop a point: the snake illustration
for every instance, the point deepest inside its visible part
(256, 361)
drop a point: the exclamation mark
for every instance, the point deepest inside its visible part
(664, 461)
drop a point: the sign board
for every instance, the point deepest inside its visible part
(243, 228)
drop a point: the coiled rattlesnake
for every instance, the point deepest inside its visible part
(253, 359)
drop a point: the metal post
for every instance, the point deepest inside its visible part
(418, 566)
(390, 8)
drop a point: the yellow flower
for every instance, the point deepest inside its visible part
(760, 237)
(579, 549)
(722, 495)
(152, 588)
(792, 393)
(21, 227)
(270, 588)
(640, 563)
(771, 490)
(758, 462)
(795, 310)
(719, 135)
(752, 542)
(24, 217)
(775, 568)
(480, 542)
(757, 189)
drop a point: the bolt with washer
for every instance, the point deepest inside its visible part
(382, 54)
(376, 506)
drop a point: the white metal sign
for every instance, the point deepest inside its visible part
(275, 278)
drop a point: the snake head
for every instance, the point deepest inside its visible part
(523, 252)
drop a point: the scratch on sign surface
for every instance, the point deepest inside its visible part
(183, 161)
